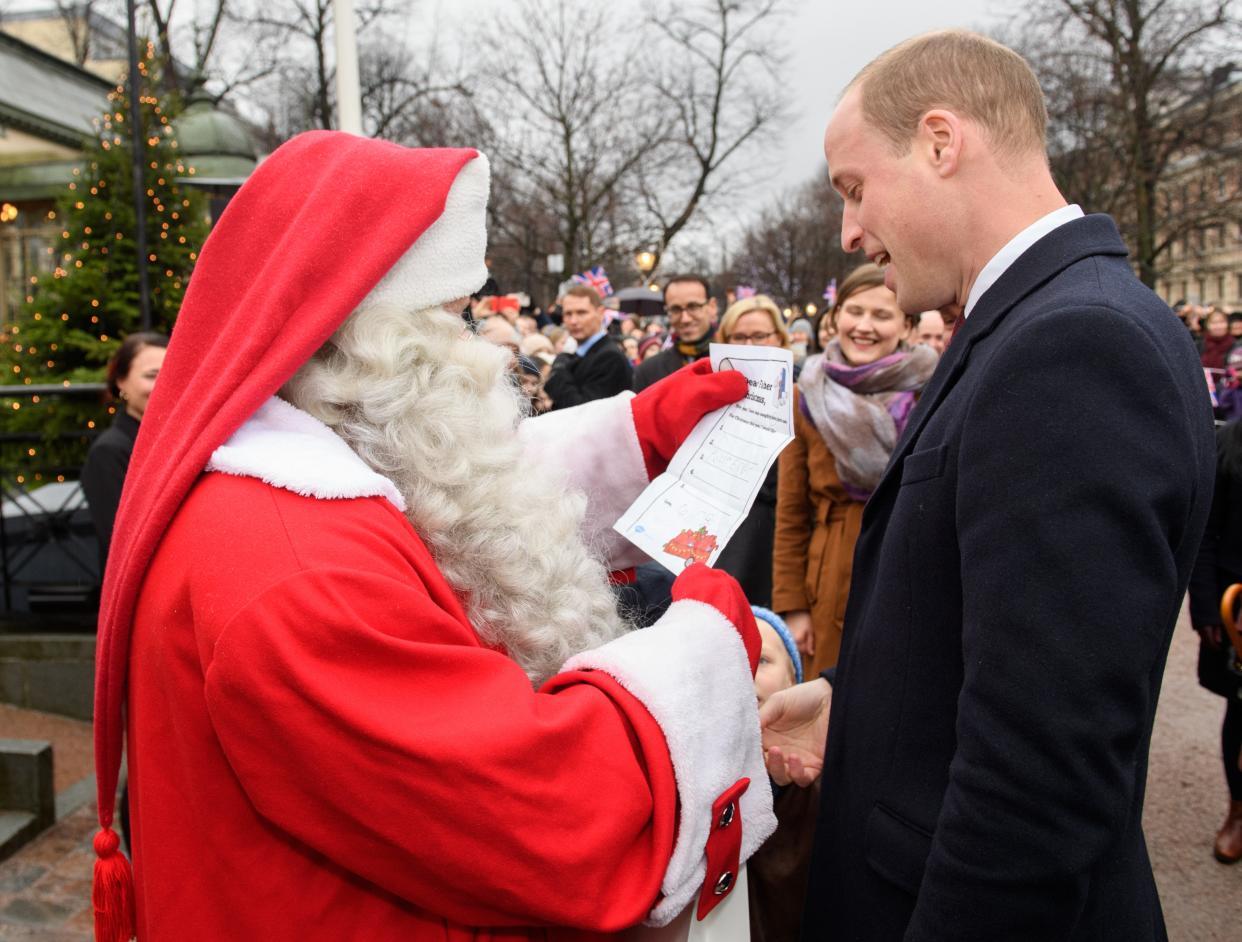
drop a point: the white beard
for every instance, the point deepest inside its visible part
(432, 408)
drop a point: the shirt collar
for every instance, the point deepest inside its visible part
(1014, 248)
(588, 344)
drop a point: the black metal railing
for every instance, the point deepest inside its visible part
(49, 559)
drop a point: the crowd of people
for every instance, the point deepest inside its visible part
(428, 691)
(1218, 337)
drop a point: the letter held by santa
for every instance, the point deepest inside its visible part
(357, 634)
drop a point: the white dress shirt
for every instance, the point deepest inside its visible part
(1015, 247)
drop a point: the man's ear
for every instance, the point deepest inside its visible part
(939, 136)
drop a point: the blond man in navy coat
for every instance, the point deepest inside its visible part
(1024, 559)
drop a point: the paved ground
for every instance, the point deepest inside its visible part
(1186, 803)
(45, 889)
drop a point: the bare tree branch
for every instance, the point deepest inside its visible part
(575, 126)
(1136, 109)
(722, 91)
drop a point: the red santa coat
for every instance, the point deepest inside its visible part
(322, 748)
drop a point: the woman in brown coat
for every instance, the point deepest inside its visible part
(852, 404)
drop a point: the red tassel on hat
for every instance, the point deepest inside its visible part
(112, 890)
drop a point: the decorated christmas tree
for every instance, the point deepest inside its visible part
(75, 317)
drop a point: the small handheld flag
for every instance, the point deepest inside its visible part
(596, 278)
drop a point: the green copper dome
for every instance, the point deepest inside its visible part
(215, 143)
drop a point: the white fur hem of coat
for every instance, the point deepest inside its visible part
(690, 671)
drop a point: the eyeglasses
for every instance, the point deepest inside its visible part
(753, 338)
(692, 308)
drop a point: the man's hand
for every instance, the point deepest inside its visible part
(666, 412)
(795, 730)
(799, 624)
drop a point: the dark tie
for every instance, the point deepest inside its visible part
(957, 325)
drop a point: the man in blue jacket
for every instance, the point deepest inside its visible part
(1023, 561)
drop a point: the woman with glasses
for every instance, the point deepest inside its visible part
(851, 406)
(748, 555)
(754, 320)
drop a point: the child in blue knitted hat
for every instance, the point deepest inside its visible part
(780, 665)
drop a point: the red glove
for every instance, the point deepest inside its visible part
(720, 590)
(667, 411)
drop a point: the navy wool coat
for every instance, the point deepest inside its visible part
(604, 371)
(1016, 583)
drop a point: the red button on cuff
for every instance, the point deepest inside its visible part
(724, 847)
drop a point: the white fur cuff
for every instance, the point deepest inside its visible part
(595, 449)
(691, 673)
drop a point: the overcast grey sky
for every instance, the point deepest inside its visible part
(829, 41)
(833, 40)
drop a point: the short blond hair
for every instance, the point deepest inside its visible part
(960, 71)
(759, 302)
(584, 291)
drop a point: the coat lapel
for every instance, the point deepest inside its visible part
(1043, 261)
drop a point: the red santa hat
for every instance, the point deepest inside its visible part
(327, 224)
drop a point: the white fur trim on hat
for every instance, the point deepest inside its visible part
(446, 263)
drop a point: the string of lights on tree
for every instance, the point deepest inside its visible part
(76, 314)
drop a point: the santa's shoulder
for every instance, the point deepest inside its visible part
(234, 531)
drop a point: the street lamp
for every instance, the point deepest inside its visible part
(811, 310)
(645, 262)
(138, 162)
(348, 89)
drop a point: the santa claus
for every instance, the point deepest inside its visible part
(357, 625)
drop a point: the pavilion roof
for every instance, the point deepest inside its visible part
(46, 96)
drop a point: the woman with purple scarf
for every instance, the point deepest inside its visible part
(853, 401)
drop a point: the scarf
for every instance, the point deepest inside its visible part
(1216, 350)
(697, 349)
(861, 411)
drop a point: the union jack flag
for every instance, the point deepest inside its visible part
(830, 293)
(1208, 375)
(597, 278)
(744, 291)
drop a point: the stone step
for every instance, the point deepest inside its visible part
(17, 829)
(27, 792)
(49, 672)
